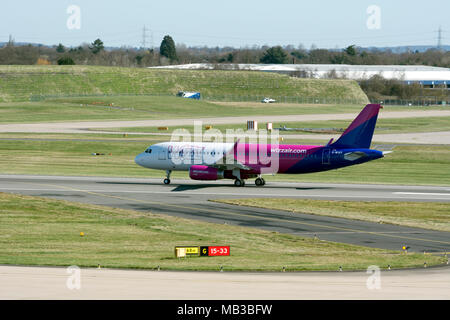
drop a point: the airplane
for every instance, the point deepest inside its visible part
(214, 161)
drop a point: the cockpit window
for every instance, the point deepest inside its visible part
(148, 150)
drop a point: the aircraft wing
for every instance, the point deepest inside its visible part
(230, 166)
(222, 163)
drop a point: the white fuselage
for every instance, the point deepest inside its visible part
(182, 155)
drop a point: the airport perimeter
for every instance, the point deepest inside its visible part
(72, 196)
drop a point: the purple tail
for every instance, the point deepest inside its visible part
(360, 132)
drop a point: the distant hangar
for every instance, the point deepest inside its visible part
(425, 75)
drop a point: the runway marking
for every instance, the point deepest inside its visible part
(242, 214)
(423, 193)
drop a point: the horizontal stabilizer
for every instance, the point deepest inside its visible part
(352, 156)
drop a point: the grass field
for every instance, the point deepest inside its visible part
(166, 107)
(101, 108)
(145, 107)
(427, 215)
(37, 231)
(19, 83)
(152, 107)
(417, 165)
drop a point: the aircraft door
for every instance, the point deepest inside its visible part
(326, 156)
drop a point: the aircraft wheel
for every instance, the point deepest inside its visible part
(166, 181)
(259, 182)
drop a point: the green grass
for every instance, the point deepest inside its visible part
(427, 215)
(72, 157)
(91, 109)
(144, 107)
(37, 231)
(148, 107)
(18, 83)
(416, 165)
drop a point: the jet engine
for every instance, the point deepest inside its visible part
(198, 172)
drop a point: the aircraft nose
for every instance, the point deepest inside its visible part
(139, 159)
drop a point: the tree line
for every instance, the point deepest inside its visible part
(96, 53)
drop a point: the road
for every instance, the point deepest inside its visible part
(51, 283)
(189, 199)
(82, 126)
(441, 137)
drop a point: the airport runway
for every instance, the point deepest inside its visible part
(51, 283)
(189, 199)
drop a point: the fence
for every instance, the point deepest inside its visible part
(259, 98)
(418, 102)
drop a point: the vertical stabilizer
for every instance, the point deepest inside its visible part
(360, 132)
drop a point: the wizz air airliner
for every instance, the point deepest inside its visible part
(241, 161)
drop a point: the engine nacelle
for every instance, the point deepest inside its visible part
(198, 172)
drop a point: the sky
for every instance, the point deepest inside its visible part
(322, 24)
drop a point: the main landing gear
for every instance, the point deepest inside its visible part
(167, 179)
(260, 182)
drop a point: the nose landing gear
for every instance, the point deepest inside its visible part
(167, 179)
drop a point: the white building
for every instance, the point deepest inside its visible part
(425, 75)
